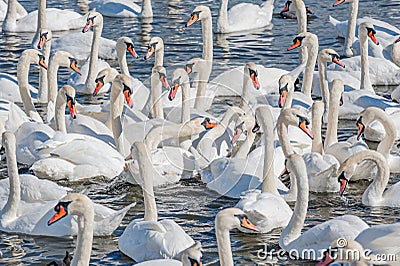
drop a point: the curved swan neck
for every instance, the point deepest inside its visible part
(223, 22)
(333, 114)
(265, 118)
(390, 133)
(94, 57)
(10, 210)
(283, 136)
(185, 116)
(60, 113)
(317, 114)
(351, 28)
(85, 237)
(296, 223)
(224, 244)
(365, 77)
(289, 96)
(312, 48)
(54, 64)
(156, 97)
(23, 66)
(147, 10)
(245, 147)
(206, 25)
(123, 64)
(145, 170)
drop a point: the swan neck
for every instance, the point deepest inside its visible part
(206, 25)
(201, 99)
(41, 15)
(283, 136)
(333, 120)
(159, 57)
(116, 108)
(60, 114)
(351, 29)
(374, 193)
(296, 223)
(10, 21)
(147, 10)
(390, 135)
(10, 210)
(365, 77)
(316, 128)
(301, 14)
(123, 65)
(52, 73)
(94, 57)
(244, 149)
(224, 246)
(312, 48)
(85, 237)
(43, 79)
(289, 96)
(223, 22)
(323, 82)
(244, 102)
(156, 97)
(185, 103)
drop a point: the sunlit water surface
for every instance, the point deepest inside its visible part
(189, 203)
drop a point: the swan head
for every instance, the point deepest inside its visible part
(294, 5)
(123, 83)
(179, 78)
(126, 44)
(245, 124)
(155, 44)
(105, 76)
(303, 39)
(233, 218)
(72, 204)
(330, 55)
(252, 72)
(338, 2)
(196, 65)
(286, 83)
(67, 93)
(204, 122)
(65, 59)
(397, 41)
(94, 19)
(33, 56)
(297, 118)
(341, 251)
(45, 35)
(192, 255)
(199, 13)
(366, 117)
(161, 74)
(368, 29)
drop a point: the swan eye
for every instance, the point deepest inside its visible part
(91, 19)
(70, 99)
(100, 79)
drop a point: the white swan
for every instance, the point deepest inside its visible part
(149, 238)
(204, 96)
(375, 194)
(122, 8)
(57, 19)
(56, 155)
(233, 20)
(45, 37)
(86, 84)
(266, 208)
(30, 202)
(17, 89)
(372, 114)
(226, 220)
(320, 236)
(21, 11)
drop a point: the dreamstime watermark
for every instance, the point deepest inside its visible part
(340, 252)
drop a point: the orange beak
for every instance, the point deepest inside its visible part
(72, 108)
(132, 51)
(256, 83)
(238, 133)
(210, 125)
(75, 68)
(282, 99)
(295, 44)
(99, 85)
(286, 8)
(326, 260)
(41, 43)
(373, 38)
(173, 91)
(42, 63)
(303, 126)
(284, 173)
(149, 53)
(338, 62)
(247, 224)
(361, 128)
(58, 215)
(88, 25)
(128, 98)
(343, 183)
(193, 18)
(338, 2)
(164, 82)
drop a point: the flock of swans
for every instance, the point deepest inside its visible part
(154, 138)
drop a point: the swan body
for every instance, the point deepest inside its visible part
(57, 19)
(122, 8)
(11, 116)
(21, 11)
(233, 20)
(9, 88)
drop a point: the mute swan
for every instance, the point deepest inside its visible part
(204, 96)
(21, 11)
(31, 200)
(18, 89)
(60, 155)
(266, 208)
(310, 41)
(299, 7)
(59, 58)
(226, 220)
(372, 114)
(147, 239)
(375, 194)
(320, 236)
(58, 19)
(189, 257)
(44, 44)
(348, 29)
(87, 84)
(122, 8)
(232, 20)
